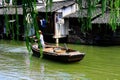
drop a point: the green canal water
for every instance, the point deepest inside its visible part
(100, 63)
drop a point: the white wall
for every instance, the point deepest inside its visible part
(5, 3)
(58, 0)
(0, 2)
(41, 1)
(62, 29)
(69, 10)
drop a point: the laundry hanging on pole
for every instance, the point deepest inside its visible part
(43, 23)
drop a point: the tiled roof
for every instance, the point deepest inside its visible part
(11, 11)
(84, 13)
(85, 3)
(105, 18)
(57, 6)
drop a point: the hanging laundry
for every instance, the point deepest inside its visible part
(43, 23)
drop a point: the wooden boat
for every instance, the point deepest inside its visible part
(58, 53)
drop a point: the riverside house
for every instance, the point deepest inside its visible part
(104, 31)
(66, 22)
(99, 34)
(56, 26)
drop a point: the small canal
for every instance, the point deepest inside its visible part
(100, 63)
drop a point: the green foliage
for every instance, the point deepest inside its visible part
(114, 9)
(7, 24)
(104, 4)
(29, 7)
(7, 1)
(115, 14)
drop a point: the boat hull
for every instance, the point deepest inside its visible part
(59, 57)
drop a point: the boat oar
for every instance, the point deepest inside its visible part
(66, 47)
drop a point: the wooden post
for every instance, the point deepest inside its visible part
(57, 42)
